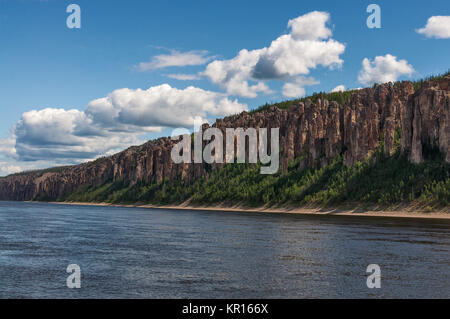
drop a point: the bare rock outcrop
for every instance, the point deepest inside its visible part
(427, 120)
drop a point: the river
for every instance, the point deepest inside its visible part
(157, 253)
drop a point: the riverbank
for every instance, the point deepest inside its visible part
(403, 212)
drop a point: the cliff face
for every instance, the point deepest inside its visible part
(320, 131)
(426, 120)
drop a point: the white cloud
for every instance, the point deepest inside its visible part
(175, 58)
(296, 88)
(293, 54)
(70, 135)
(161, 105)
(184, 77)
(8, 147)
(234, 74)
(311, 26)
(383, 69)
(339, 88)
(112, 123)
(436, 27)
(7, 169)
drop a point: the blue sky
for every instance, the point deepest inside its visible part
(46, 65)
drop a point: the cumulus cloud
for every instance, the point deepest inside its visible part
(161, 105)
(296, 88)
(58, 134)
(7, 169)
(436, 27)
(339, 88)
(112, 123)
(184, 77)
(307, 46)
(311, 26)
(175, 58)
(383, 69)
(234, 74)
(8, 147)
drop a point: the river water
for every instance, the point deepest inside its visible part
(157, 253)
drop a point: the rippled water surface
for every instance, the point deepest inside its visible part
(156, 253)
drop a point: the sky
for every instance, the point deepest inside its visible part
(135, 70)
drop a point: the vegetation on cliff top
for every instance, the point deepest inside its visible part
(419, 83)
(340, 97)
(40, 172)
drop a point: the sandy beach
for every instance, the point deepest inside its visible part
(405, 212)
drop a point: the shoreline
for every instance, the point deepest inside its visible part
(306, 211)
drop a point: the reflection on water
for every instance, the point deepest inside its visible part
(141, 253)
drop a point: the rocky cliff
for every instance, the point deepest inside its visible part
(317, 131)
